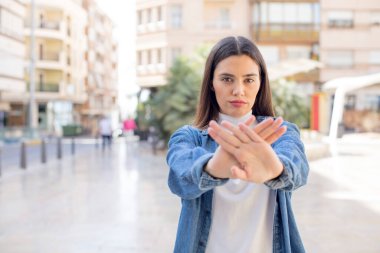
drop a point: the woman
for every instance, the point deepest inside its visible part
(236, 168)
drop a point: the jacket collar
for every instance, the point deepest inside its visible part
(258, 118)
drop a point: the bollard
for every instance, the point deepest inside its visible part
(23, 156)
(59, 148)
(73, 146)
(43, 151)
(0, 160)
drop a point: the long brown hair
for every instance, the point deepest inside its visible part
(208, 108)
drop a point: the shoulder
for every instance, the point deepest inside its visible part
(289, 125)
(188, 132)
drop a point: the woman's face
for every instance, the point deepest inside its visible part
(236, 84)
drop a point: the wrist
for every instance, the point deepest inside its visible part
(209, 169)
(278, 171)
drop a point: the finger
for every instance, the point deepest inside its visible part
(224, 144)
(236, 132)
(238, 173)
(225, 134)
(265, 133)
(250, 120)
(250, 133)
(276, 135)
(263, 124)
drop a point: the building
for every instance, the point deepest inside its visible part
(12, 58)
(167, 29)
(101, 82)
(350, 47)
(59, 69)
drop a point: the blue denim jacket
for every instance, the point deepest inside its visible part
(189, 151)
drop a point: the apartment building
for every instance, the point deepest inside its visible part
(101, 82)
(60, 69)
(350, 46)
(286, 29)
(12, 57)
(169, 28)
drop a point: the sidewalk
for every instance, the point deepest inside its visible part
(117, 200)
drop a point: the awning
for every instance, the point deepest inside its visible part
(5, 107)
(292, 67)
(340, 86)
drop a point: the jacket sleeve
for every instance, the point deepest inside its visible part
(186, 159)
(291, 152)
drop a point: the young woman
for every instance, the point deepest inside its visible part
(236, 167)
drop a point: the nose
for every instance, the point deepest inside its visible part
(238, 89)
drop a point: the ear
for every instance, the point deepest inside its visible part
(212, 86)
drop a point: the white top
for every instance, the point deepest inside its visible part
(242, 215)
(105, 127)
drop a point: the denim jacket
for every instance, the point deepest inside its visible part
(189, 151)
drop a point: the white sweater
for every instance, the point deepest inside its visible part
(242, 214)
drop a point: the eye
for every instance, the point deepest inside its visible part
(227, 79)
(250, 80)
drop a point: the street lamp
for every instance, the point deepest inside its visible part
(32, 69)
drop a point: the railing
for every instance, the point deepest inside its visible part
(51, 25)
(49, 57)
(276, 32)
(45, 87)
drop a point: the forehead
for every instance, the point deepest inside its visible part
(237, 64)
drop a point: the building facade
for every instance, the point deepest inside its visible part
(12, 61)
(101, 82)
(60, 71)
(350, 46)
(167, 29)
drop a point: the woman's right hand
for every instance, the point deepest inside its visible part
(220, 164)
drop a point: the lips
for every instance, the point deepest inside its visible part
(238, 103)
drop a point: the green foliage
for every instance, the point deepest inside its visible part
(289, 104)
(174, 105)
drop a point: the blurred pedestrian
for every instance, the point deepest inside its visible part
(105, 130)
(129, 125)
(236, 167)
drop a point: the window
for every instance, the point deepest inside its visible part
(375, 18)
(340, 59)
(350, 102)
(139, 18)
(149, 53)
(176, 52)
(149, 15)
(297, 52)
(340, 19)
(374, 57)
(139, 58)
(159, 55)
(225, 18)
(176, 16)
(159, 13)
(271, 54)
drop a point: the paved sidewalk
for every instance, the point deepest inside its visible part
(118, 201)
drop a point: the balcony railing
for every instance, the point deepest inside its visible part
(45, 87)
(303, 33)
(51, 25)
(49, 57)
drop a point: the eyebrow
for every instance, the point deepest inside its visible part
(230, 75)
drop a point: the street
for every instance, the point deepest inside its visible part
(117, 200)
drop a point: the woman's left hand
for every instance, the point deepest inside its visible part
(258, 161)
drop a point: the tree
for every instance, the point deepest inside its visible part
(174, 105)
(289, 104)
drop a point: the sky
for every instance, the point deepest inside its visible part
(123, 15)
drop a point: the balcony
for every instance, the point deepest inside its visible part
(48, 29)
(51, 60)
(285, 33)
(46, 87)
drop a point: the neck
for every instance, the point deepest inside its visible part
(233, 120)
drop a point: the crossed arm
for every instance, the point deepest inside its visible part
(246, 153)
